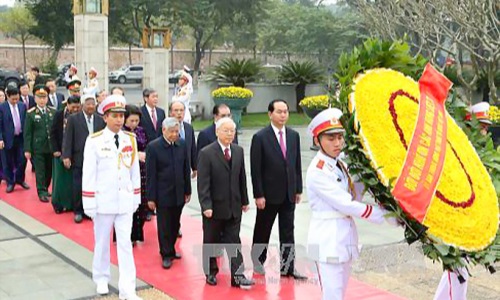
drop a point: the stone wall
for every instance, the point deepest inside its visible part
(11, 57)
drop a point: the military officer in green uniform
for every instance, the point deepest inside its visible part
(37, 140)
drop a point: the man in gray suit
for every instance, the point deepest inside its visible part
(222, 192)
(77, 130)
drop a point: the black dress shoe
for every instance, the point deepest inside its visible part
(24, 185)
(78, 218)
(242, 282)
(179, 234)
(296, 275)
(10, 188)
(211, 280)
(44, 199)
(167, 263)
(177, 256)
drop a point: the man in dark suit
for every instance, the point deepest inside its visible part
(222, 192)
(55, 99)
(12, 118)
(277, 186)
(207, 135)
(78, 128)
(26, 98)
(186, 132)
(151, 120)
(176, 110)
(152, 116)
(166, 161)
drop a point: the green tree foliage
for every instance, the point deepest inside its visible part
(54, 23)
(310, 29)
(18, 23)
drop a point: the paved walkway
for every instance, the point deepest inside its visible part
(38, 263)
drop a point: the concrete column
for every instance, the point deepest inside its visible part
(156, 67)
(91, 47)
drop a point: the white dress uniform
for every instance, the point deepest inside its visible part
(450, 288)
(334, 201)
(184, 96)
(111, 194)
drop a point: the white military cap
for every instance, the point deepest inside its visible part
(87, 96)
(327, 121)
(481, 111)
(113, 103)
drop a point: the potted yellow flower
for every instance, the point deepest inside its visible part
(312, 105)
(236, 98)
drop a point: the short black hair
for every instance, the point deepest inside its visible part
(2, 89)
(11, 91)
(117, 88)
(35, 69)
(73, 99)
(131, 109)
(23, 83)
(270, 108)
(147, 92)
(217, 107)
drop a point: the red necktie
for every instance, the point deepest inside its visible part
(153, 117)
(282, 144)
(226, 154)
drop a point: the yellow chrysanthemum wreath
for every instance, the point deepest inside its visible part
(464, 211)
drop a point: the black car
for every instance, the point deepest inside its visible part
(8, 77)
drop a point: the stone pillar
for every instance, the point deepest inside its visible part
(91, 47)
(156, 67)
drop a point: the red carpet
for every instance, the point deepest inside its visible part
(185, 280)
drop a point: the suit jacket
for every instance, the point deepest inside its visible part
(208, 136)
(147, 124)
(273, 177)
(76, 134)
(190, 145)
(31, 99)
(167, 164)
(7, 123)
(222, 185)
(57, 131)
(60, 100)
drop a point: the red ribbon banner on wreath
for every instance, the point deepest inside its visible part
(417, 183)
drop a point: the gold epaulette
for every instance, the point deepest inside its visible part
(129, 133)
(31, 109)
(96, 134)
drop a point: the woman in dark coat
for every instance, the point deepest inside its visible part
(132, 117)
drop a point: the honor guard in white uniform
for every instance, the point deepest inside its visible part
(111, 187)
(334, 201)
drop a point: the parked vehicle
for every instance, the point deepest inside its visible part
(9, 77)
(133, 73)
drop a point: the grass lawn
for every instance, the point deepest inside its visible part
(258, 120)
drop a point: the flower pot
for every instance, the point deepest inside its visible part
(312, 112)
(236, 105)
